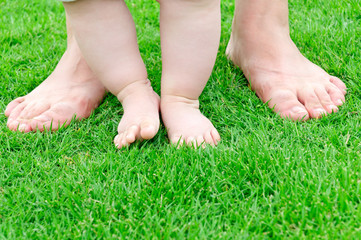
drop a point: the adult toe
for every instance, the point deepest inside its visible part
(336, 95)
(33, 109)
(338, 83)
(52, 119)
(13, 120)
(312, 103)
(12, 105)
(24, 127)
(287, 105)
(40, 122)
(326, 100)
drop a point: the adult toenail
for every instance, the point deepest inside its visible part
(299, 110)
(22, 127)
(333, 108)
(339, 102)
(319, 111)
(13, 125)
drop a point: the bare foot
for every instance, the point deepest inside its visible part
(70, 91)
(186, 124)
(141, 113)
(279, 74)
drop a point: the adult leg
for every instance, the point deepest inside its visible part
(190, 32)
(71, 90)
(106, 35)
(279, 74)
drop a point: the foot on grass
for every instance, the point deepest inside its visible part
(70, 91)
(141, 113)
(280, 75)
(186, 124)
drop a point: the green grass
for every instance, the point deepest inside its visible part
(269, 178)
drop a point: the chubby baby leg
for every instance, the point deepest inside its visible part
(107, 38)
(190, 34)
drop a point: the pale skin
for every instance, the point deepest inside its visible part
(106, 36)
(122, 71)
(190, 32)
(279, 74)
(260, 45)
(72, 90)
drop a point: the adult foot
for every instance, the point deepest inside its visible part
(186, 124)
(279, 74)
(141, 113)
(70, 91)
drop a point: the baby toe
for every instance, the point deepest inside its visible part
(124, 142)
(118, 140)
(132, 133)
(177, 140)
(191, 142)
(216, 137)
(200, 142)
(148, 129)
(208, 138)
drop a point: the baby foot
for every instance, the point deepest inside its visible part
(70, 91)
(186, 124)
(141, 113)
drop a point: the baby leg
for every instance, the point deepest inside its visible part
(106, 35)
(190, 34)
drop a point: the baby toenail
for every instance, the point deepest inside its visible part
(149, 127)
(130, 138)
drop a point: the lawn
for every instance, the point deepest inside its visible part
(269, 177)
